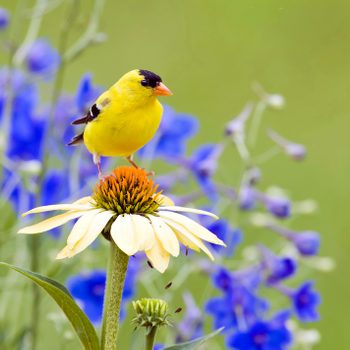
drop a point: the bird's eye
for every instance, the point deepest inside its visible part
(144, 82)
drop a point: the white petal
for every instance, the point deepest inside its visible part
(65, 253)
(186, 242)
(84, 200)
(82, 226)
(164, 200)
(97, 224)
(193, 227)
(123, 234)
(144, 232)
(165, 235)
(46, 208)
(51, 223)
(188, 210)
(158, 256)
(181, 231)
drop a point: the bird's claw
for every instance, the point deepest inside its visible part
(130, 160)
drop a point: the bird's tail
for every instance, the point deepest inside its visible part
(77, 139)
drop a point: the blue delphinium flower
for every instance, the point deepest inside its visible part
(203, 164)
(263, 335)
(231, 236)
(294, 150)
(237, 124)
(55, 187)
(27, 128)
(239, 295)
(191, 325)
(4, 18)
(88, 290)
(222, 229)
(247, 198)
(223, 279)
(223, 316)
(158, 347)
(171, 138)
(305, 301)
(277, 206)
(278, 268)
(307, 242)
(42, 58)
(54, 190)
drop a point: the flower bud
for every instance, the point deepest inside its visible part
(294, 150)
(308, 337)
(237, 124)
(275, 101)
(151, 313)
(42, 58)
(307, 242)
(247, 198)
(279, 207)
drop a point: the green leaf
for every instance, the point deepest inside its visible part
(81, 324)
(194, 344)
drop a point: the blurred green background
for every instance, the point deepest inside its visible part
(209, 53)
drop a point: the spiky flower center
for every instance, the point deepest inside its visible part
(127, 190)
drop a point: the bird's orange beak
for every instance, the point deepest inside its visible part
(162, 90)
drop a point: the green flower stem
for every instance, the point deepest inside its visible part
(256, 122)
(118, 263)
(150, 337)
(32, 32)
(90, 36)
(34, 246)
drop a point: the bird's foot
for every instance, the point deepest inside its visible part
(130, 160)
(102, 177)
(99, 169)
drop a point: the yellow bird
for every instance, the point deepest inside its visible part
(124, 118)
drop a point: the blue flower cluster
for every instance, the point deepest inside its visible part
(24, 119)
(244, 314)
(250, 320)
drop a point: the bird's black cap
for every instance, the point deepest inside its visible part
(151, 79)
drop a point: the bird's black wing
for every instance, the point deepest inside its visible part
(76, 140)
(93, 113)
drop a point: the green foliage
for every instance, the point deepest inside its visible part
(194, 344)
(81, 324)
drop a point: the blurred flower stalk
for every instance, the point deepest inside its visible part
(260, 293)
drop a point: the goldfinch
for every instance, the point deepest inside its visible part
(124, 118)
